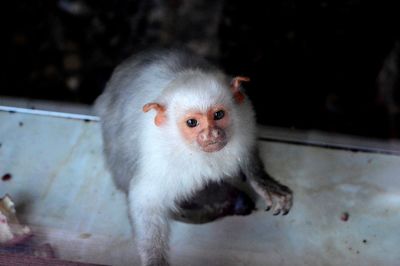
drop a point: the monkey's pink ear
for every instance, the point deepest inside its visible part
(160, 116)
(235, 88)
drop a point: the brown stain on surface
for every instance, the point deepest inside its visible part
(6, 177)
(345, 216)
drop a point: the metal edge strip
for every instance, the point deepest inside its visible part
(292, 141)
(332, 146)
(48, 113)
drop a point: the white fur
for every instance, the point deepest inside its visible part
(179, 169)
(161, 166)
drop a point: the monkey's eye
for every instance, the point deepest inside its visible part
(192, 123)
(219, 115)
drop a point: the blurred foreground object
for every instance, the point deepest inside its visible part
(11, 231)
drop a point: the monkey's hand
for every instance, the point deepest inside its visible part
(277, 197)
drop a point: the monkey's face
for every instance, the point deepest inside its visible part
(206, 129)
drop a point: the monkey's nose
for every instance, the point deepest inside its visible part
(210, 134)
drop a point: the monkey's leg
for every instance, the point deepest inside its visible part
(277, 197)
(214, 201)
(151, 230)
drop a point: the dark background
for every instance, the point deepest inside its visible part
(325, 65)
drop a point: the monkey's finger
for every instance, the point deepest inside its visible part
(278, 206)
(285, 212)
(287, 207)
(288, 204)
(268, 201)
(277, 212)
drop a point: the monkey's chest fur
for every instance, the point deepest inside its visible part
(179, 174)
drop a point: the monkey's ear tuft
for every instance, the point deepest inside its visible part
(160, 109)
(235, 88)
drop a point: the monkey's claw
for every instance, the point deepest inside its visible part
(278, 198)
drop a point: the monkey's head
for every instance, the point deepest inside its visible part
(203, 107)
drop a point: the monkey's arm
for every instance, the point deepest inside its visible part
(278, 197)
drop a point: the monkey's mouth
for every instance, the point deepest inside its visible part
(213, 146)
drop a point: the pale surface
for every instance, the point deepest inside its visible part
(62, 190)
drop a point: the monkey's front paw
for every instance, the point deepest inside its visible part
(278, 198)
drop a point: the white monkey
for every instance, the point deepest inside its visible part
(174, 128)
